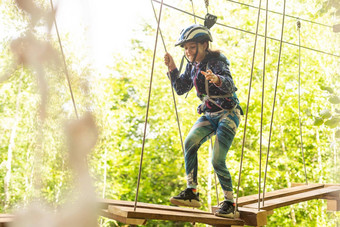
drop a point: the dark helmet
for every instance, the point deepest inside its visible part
(194, 33)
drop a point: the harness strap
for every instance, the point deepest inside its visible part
(209, 98)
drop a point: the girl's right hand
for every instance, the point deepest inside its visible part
(169, 61)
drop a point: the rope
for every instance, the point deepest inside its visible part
(193, 10)
(271, 11)
(262, 102)
(247, 109)
(275, 92)
(65, 65)
(172, 89)
(253, 33)
(207, 5)
(148, 105)
(300, 124)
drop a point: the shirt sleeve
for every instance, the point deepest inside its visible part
(221, 69)
(181, 83)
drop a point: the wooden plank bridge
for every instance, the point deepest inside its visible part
(123, 211)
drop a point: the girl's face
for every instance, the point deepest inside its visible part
(191, 48)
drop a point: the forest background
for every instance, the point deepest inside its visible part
(117, 93)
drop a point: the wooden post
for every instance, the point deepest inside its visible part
(336, 28)
(333, 205)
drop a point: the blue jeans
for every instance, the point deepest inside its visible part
(224, 125)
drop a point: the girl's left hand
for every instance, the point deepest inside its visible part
(209, 75)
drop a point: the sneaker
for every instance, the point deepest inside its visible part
(186, 198)
(227, 210)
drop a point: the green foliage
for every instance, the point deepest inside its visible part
(119, 101)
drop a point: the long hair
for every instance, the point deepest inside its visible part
(212, 52)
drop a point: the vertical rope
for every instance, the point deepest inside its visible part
(262, 102)
(273, 109)
(172, 89)
(247, 110)
(207, 5)
(148, 105)
(65, 65)
(300, 124)
(193, 10)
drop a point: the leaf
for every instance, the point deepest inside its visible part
(334, 99)
(318, 121)
(333, 122)
(325, 88)
(325, 114)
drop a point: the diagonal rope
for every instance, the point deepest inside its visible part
(253, 33)
(300, 124)
(64, 60)
(247, 109)
(273, 109)
(148, 105)
(172, 89)
(262, 101)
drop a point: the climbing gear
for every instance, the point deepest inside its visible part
(186, 198)
(227, 210)
(209, 20)
(207, 97)
(194, 33)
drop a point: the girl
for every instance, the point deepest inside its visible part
(207, 71)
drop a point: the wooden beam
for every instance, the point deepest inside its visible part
(105, 203)
(325, 184)
(146, 213)
(244, 200)
(331, 196)
(333, 205)
(251, 217)
(6, 219)
(292, 199)
(129, 221)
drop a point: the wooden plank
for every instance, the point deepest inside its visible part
(146, 213)
(333, 205)
(244, 200)
(331, 196)
(6, 219)
(129, 221)
(292, 199)
(324, 184)
(251, 217)
(104, 203)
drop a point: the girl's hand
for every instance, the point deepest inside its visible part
(209, 75)
(169, 61)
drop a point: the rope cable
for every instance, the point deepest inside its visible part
(64, 60)
(148, 105)
(172, 89)
(247, 108)
(262, 101)
(300, 124)
(271, 11)
(253, 33)
(193, 10)
(273, 108)
(207, 5)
